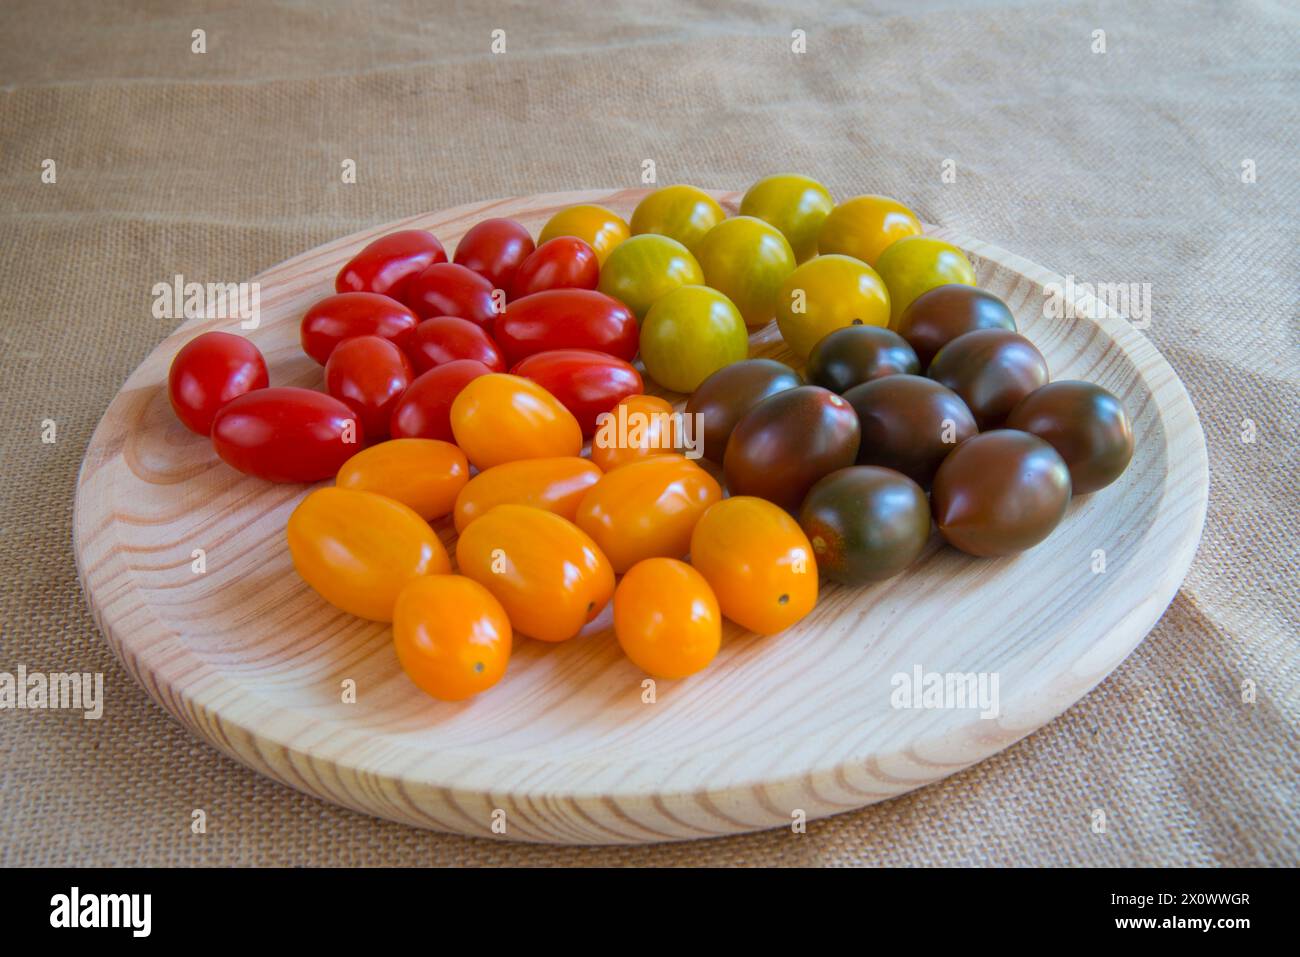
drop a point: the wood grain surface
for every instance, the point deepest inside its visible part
(566, 748)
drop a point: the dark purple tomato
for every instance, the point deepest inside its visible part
(909, 424)
(495, 249)
(938, 316)
(992, 370)
(857, 354)
(1000, 493)
(1083, 422)
(784, 444)
(287, 434)
(729, 393)
(865, 523)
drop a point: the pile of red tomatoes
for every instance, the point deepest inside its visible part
(469, 389)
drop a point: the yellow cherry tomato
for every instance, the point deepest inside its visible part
(451, 636)
(865, 226)
(758, 561)
(500, 418)
(596, 226)
(796, 205)
(828, 293)
(917, 264)
(358, 549)
(638, 427)
(746, 260)
(556, 485)
(690, 334)
(645, 268)
(424, 474)
(647, 509)
(666, 618)
(683, 213)
(548, 574)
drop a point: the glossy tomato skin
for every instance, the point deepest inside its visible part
(495, 249)
(386, 265)
(441, 339)
(645, 268)
(596, 226)
(916, 264)
(992, 370)
(424, 410)
(287, 434)
(941, 314)
(638, 427)
(909, 424)
(565, 262)
(724, 397)
(857, 354)
(567, 319)
(209, 371)
(1084, 423)
(683, 213)
(865, 226)
(747, 259)
(500, 418)
(548, 574)
(586, 382)
(451, 636)
(667, 619)
(827, 293)
(690, 334)
(425, 475)
(449, 289)
(556, 485)
(351, 314)
(796, 205)
(357, 550)
(368, 375)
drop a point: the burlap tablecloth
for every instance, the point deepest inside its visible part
(1128, 165)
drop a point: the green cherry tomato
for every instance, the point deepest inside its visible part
(690, 334)
(683, 213)
(644, 268)
(917, 264)
(746, 260)
(828, 293)
(796, 205)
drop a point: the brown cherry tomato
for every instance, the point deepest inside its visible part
(724, 397)
(909, 424)
(368, 374)
(441, 339)
(352, 314)
(495, 249)
(425, 475)
(424, 410)
(938, 316)
(857, 354)
(386, 265)
(565, 262)
(1085, 424)
(557, 485)
(992, 370)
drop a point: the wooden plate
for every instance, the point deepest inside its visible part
(567, 749)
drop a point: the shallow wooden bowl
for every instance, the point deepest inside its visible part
(566, 748)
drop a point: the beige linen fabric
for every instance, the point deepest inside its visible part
(1123, 166)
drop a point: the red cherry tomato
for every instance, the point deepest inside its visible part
(445, 339)
(424, 410)
(368, 375)
(565, 262)
(587, 383)
(494, 249)
(390, 262)
(287, 435)
(446, 289)
(351, 314)
(208, 372)
(567, 319)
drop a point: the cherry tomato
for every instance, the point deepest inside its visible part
(638, 427)
(746, 260)
(358, 549)
(209, 371)
(596, 226)
(917, 264)
(352, 314)
(647, 509)
(424, 410)
(690, 334)
(500, 418)
(368, 375)
(758, 561)
(287, 435)
(443, 339)
(425, 475)
(645, 268)
(865, 226)
(565, 262)
(557, 485)
(386, 265)
(796, 205)
(567, 319)
(833, 292)
(447, 289)
(586, 382)
(683, 213)
(550, 577)
(495, 249)
(451, 636)
(666, 618)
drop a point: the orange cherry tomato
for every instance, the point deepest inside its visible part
(451, 636)
(666, 618)
(647, 509)
(596, 226)
(638, 427)
(359, 549)
(556, 485)
(499, 418)
(425, 475)
(759, 562)
(550, 577)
